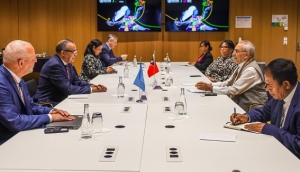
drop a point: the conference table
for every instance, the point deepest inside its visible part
(151, 137)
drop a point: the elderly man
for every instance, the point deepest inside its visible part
(107, 56)
(58, 78)
(246, 84)
(18, 112)
(283, 110)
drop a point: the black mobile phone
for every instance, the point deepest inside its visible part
(56, 130)
(195, 75)
(211, 94)
(126, 109)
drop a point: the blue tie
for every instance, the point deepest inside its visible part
(280, 116)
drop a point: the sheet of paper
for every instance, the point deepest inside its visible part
(188, 84)
(78, 96)
(218, 137)
(195, 90)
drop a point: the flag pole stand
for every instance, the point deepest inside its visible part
(140, 98)
(154, 85)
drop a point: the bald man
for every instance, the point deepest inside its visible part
(18, 112)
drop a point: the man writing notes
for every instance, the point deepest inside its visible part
(246, 84)
(283, 110)
(58, 78)
(107, 56)
(18, 112)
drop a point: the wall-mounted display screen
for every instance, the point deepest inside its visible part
(196, 15)
(129, 15)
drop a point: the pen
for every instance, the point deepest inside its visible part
(234, 114)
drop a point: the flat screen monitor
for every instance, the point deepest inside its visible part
(196, 15)
(129, 15)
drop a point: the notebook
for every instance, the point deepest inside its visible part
(239, 127)
(72, 125)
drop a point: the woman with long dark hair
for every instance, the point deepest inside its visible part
(91, 65)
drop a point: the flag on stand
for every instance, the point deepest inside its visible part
(153, 69)
(139, 80)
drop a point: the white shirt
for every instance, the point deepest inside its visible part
(287, 103)
(248, 79)
(18, 80)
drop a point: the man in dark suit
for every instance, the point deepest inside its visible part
(18, 112)
(107, 56)
(283, 110)
(58, 78)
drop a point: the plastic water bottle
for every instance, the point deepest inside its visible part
(126, 71)
(134, 61)
(121, 88)
(183, 100)
(86, 125)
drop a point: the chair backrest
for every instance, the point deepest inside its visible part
(75, 70)
(32, 87)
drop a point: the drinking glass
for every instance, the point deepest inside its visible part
(97, 121)
(178, 108)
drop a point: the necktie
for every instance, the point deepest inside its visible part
(20, 91)
(280, 115)
(68, 72)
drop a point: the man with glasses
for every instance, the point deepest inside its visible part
(107, 55)
(246, 84)
(18, 112)
(58, 79)
(283, 110)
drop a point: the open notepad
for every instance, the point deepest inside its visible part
(239, 127)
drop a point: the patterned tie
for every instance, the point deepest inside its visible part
(280, 115)
(20, 91)
(68, 72)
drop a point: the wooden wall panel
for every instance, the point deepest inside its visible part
(298, 41)
(277, 33)
(8, 22)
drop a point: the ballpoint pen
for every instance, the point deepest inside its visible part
(234, 114)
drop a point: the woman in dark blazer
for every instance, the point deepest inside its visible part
(205, 59)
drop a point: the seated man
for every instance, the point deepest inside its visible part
(283, 110)
(107, 56)
(223, 67)
(58, 78)
(18, 112)
(246, 84)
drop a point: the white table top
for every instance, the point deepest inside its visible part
(142, 143)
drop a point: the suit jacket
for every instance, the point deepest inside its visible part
(204, 62)
(54, 85)
(16, 116)
(289, 135)
(107, 56)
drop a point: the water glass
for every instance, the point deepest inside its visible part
(168, 82)
(179, 108)
(97, 120)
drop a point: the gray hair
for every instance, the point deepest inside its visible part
(62, 45)
(15, 50)
(248, 46)
(112, 36)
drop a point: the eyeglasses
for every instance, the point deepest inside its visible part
(72, 51)
(238, 51)
(269, 85)
(223, 47)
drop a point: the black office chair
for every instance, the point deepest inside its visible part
(75, 70)
(32, 89)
